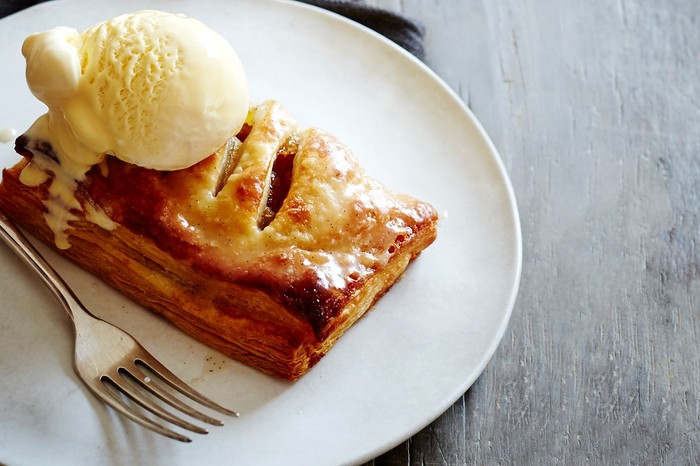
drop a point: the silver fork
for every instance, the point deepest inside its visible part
(110, 362)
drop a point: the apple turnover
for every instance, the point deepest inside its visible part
(268, 250)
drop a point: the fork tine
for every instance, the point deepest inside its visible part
(110, 398)
(174, 381)
(149, 404)
(151, 384)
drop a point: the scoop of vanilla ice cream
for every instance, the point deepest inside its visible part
(154, 89)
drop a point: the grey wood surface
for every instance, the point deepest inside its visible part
(595, 108)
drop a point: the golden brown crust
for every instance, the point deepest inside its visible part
(270, 278)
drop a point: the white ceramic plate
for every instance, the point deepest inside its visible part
(394, 372)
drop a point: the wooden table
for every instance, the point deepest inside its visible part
(595, 109)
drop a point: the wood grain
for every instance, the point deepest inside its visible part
(595, 109)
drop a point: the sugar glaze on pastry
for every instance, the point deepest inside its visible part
(271, 267)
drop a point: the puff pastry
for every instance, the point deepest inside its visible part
(268, 250)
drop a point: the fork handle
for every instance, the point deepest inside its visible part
(19, 243)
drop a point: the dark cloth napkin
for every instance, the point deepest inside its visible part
(403, 31)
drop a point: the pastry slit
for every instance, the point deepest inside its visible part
(232, 155)
(280, 181)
